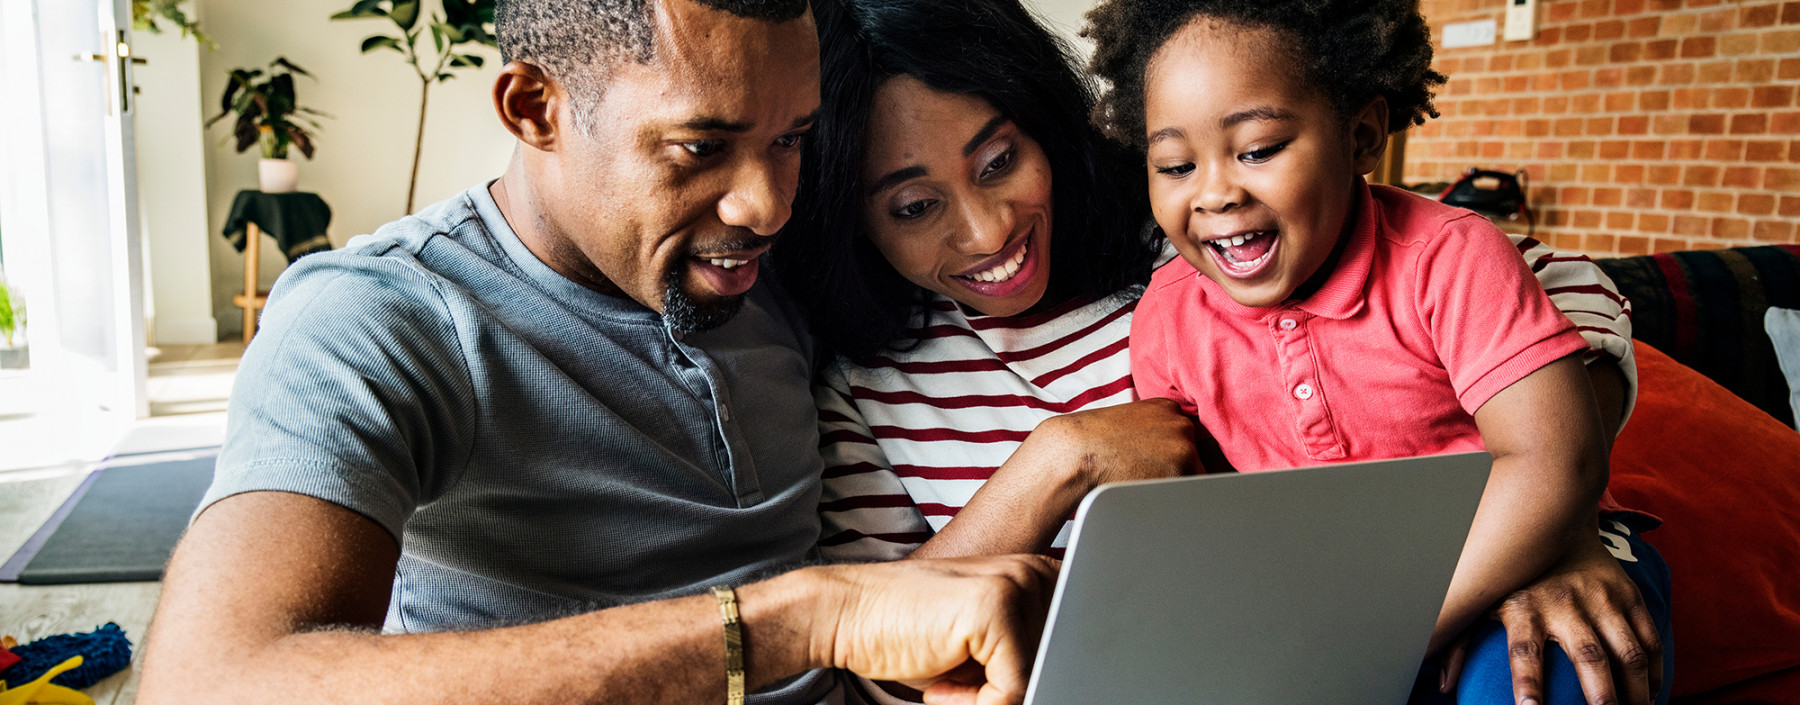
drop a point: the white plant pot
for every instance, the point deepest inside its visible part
(278, 175)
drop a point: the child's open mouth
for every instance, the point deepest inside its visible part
(1243, 254)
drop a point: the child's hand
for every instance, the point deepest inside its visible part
(1589, 606)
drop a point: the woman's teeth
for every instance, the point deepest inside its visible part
(1004, 271)
(728, 263)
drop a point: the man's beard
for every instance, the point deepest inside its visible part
(686, 315)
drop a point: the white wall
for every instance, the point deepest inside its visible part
(1064, 16)
(171, 181)
(365, 152)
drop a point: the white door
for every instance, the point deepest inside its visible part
(87, 318)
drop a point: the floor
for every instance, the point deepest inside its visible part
(46, 449)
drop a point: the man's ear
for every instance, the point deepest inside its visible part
(527, 101)
(1369, 134)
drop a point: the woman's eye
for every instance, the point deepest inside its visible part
(914, 209)
(703, 148)
(999, 163)
(1176, 170)
(1259, 156)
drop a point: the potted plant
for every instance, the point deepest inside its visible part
(268, 113)
(463, 22)
(13, 350)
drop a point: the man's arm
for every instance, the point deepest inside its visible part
(275, 597)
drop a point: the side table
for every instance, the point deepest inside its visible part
(297, 221)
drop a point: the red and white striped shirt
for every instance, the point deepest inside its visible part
(909, 436)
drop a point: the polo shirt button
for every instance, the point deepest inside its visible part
(1288, 324)
(1303, 392)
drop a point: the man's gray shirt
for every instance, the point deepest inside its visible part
(537, 448)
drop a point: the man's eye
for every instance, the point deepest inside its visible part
(1176, 170)
(703, 148)
(914, 209)
(999, 163)
(1259, 156)
(790, 141)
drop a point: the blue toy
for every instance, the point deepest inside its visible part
(104, 651)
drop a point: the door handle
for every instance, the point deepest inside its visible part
(122, 50)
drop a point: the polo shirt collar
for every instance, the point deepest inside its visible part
(1344, 292)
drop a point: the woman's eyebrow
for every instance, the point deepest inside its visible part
(983, 134)
(895, 178)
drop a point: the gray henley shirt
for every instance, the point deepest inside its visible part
(537, 448)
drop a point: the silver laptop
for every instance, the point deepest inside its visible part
(1319, 585)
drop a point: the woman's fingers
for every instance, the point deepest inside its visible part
(1524, 647)
(1649, 639)
(1628, 655)
(1453, 662)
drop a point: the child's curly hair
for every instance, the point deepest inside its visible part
(1349, 50)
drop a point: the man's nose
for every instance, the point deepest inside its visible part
(761, 198)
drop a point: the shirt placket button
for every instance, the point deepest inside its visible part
(1288, 324)
(1303, 392)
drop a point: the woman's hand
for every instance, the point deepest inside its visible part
(1025, 503)
(1587, 604)
(1143, 440)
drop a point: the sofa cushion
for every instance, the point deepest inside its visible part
(1705, 309)
(1725, 478)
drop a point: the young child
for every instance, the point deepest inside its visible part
(1313, 318)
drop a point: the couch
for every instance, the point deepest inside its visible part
(1710, 448)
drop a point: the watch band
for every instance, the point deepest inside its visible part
(734, 645)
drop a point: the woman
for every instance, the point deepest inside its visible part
(971, 249)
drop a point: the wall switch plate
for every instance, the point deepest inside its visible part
(1469, 34)
(1521, 19)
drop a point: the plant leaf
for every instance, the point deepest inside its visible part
(301, 140)
(380, 41)
(445, 76)
(437, 38)
(290, 66)
(453, 33)
(362, 9)
(405, 13)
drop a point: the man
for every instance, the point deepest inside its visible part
(526, 429)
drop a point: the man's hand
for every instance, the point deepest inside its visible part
(1590, 606)
(938, 619)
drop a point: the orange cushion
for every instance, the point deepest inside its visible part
(1725, 477)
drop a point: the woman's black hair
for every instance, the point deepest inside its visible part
(992, 49)
(1349, 50)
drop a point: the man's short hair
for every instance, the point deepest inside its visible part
(577, 41)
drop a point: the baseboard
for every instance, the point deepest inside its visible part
(192, 330)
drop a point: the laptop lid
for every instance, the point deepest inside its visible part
(1318, 585)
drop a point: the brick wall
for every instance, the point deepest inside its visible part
(1643, 125)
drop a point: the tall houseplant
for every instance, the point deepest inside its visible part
(269, 113)
(463, 22)
(12, 319)
(149, 15)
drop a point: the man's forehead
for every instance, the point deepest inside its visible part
(712, 70)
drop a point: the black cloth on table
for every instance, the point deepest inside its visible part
(297, 221)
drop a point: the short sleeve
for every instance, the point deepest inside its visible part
(1151, 324)
(867, 514)
(1583, 292)
(354, 392)
(1490, 321)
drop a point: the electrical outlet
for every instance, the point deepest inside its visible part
(1521, 19)
(1469, 34)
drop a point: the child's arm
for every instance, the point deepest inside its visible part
(1544, 432)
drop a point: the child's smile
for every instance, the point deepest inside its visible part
(1252, 173)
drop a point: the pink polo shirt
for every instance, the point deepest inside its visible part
(1429, 313)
